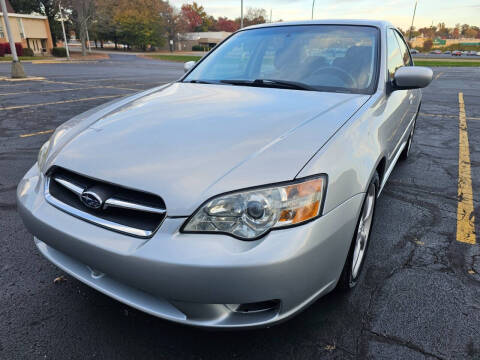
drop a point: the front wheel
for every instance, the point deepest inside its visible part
(358, 249)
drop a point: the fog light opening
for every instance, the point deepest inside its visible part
(254, 307)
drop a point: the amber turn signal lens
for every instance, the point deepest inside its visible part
(303, 201)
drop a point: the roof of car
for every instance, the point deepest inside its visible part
(364, 22)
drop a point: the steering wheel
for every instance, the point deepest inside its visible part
(340, 73)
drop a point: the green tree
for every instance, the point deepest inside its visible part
(104, 25)
(471, 33)
(140, 22)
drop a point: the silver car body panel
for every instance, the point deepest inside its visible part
(189, 142)
(285, 127)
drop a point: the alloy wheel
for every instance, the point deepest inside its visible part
(363, 231)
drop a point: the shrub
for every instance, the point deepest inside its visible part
(18, 47)
(59, 52)
(199, 48)
(28, 52)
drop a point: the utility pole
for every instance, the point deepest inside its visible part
(313, 7)
(63, 29)
(17, 68)
(411, 26)
(241, 14)
(270, 16)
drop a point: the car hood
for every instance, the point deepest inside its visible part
(188, 142)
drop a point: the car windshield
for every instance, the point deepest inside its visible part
(311, 57)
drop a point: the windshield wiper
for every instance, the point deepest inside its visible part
(271, 83)
(202, 82)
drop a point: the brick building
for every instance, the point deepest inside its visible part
(33, 31)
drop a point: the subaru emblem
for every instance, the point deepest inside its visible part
(91, 200)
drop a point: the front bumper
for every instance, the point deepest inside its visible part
(189, 278)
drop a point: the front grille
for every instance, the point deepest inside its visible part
(111, 206)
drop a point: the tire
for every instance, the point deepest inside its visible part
(360, 242)
(406, 152)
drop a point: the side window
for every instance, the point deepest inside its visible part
(394, 60)
(407, 61)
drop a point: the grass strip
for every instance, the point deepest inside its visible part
(459, 63)
(26, 58)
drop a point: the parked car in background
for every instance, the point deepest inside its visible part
(472, 53)
(456, 53)
(448, 52)
(241, 193)
(478, 53)
(436, 52)
(414, 51)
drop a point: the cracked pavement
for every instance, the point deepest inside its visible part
(419, 296)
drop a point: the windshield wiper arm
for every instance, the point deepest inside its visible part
(285, 84)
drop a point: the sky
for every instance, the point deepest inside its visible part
(399, 12)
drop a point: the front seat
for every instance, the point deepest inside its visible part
(357, 62)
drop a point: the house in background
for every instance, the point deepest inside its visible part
(32, 31)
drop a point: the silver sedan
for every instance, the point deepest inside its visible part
(241, 193)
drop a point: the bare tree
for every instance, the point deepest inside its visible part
(82, 14)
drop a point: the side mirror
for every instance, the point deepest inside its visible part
(188, 65)
(412, 77)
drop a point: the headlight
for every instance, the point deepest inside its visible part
(50, 144)
(250, 214)
(42, 155)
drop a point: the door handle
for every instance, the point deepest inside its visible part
(410, 98)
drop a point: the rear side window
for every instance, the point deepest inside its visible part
(395, 59)
(407, 61)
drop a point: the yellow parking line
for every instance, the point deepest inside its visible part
(58, 102)
(44, 91)
(119, 88)
(465, 216)
(72, 89)
(63, 61)
(93, 87)
(439, 74)
(36, 133)
(31, 78)
(60, 82)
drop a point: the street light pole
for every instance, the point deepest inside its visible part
(63, 29)
(17, 67)
(411, 26)
(241, 14)
(313, 7)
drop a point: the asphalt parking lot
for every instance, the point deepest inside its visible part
(419, 297)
